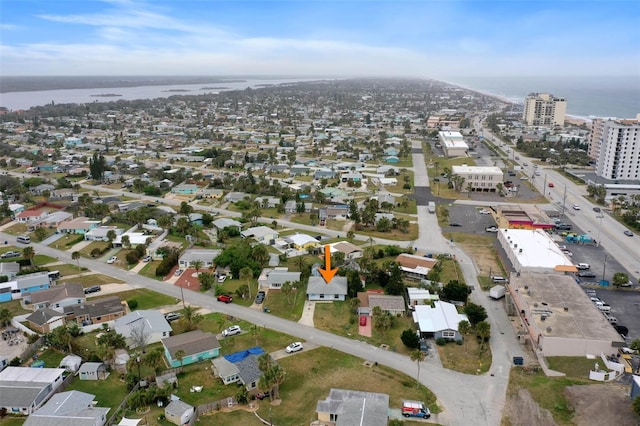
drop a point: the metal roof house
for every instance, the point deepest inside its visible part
(25, 389)
(73, 408)
(157, 326)
(354, 408)
(319, 290)
(196, 346)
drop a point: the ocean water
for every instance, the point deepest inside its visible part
(616, 96)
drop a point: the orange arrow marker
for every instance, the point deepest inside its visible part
(327, 272)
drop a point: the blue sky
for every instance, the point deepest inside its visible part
(421, 38)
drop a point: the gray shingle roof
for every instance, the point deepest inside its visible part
(317, 285)
(192, 342)
(44, 315)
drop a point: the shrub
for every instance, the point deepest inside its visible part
(133, 304)
(410, 339)
(96, 252)
(440, 341)
(132, 257)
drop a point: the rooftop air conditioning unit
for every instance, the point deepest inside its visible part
(520, 251)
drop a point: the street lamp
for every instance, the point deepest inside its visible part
(138, 362)
(604, 267)
(601, 216)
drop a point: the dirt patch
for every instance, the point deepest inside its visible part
(522, 410)
(601, 405)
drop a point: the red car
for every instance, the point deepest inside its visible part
(363, 320)
(551, 185)
(225, 298)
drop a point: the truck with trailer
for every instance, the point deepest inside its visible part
(432, 207)
(415, 409)
(497, 292)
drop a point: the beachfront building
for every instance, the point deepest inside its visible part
(478, 178)
(544, 109)
(453, 144)
(614, 145)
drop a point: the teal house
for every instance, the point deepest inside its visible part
(189, 348)
(185, 189)
(392, 159)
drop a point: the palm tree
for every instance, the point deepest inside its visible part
(125, 241)
(155, 359)
(180, 354)
(483, 331)
(28, 253)
(5, 317)
(417, 356)
(464, 328)
(191, 316)
(286, 289)
(76, 256)
(246, 275)
(197, 265)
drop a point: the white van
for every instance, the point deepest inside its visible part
(24, 239)
(499, 280)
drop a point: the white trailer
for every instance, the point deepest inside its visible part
(497, 292)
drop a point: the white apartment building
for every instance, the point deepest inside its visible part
(481, 178)
(543, 109)
(453, 144)
(615, 145)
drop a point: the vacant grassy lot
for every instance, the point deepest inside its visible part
(17, 229)
(86, 252)
(465, 358)
(338, 318)
(93, 279)
(573, 366)
(41, 259)
(482, 250)
(286, 307)
(548, 392)
(451, 271)
(67, 269)
(310, 375)
(13, 421)
(147, 299)
(109, 392)
(394, 234)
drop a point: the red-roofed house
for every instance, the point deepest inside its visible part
(31, 216)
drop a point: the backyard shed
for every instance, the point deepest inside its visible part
(179, 412)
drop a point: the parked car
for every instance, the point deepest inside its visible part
(10, 254)
(172, 316)
(260, 297)
(597, 209)
(621, 329)
(225, 298)
(628, 284)
(263, 395)
(491, 229)
(231, 331)
(92, 289)
(576, 207)
(583, 266)
(178, 272)
(363, 320)
(222, 278)
(484, 211)
(628, 233)
(112, 259)
(294, 347)
(454, 224)
(146, 259)
(551, 185)
(586, 274)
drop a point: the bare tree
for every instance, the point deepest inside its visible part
(140, 334)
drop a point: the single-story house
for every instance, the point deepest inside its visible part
(54, 219)
(93, 371)
(392, 159)
(45, 320)
(25, 389)
(72, 408)
(205, 256)
(56, 298)
(224, 222)
(79, 225)
(239, 367)
(441, 320)
(273, 278)
(302, 242)
(179, 412)
(22, 285)
(351, 251)
(416, 267)
(262, 234)
(324, 174)
(196, 346)
(151, 322)
(9, 270)
(338, 212)
(233, 197)
(353, 408)
(268, 202)
(29, 216)
(319, 290)
(185, 189)
(100, 233)
(383, 181)
(212, 193)
(291, 206)
(395, 305)
(96, 311)
(135, 238)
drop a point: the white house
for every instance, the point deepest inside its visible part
(150, 323)
(25, 389)
(273, 278)
(319, 290)
(441, 320)
(205, 256)
(69, 408)
(418, 296)
(262, 234)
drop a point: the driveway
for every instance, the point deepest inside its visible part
(307, 313)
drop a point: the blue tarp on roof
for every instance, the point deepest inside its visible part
(239, 356)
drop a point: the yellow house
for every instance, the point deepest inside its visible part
(302, 242)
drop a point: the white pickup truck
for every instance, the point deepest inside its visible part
(603, 306)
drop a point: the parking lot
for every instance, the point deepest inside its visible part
(470, 219)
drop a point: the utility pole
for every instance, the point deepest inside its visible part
(564, 199)
(604, 267)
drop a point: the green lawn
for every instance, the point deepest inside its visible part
(573, 366)
(51, 357)
(338, 318)
(68, 269)
(41, 259)
(465, 358)
(13, 421)
(86, 252)
(14, 307)
(394, 234)
(109, 392)
(288, 308)
(147, 299)
(149, 270)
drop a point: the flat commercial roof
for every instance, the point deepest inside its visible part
(465, 169)
(534, 248)
(553, 293)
